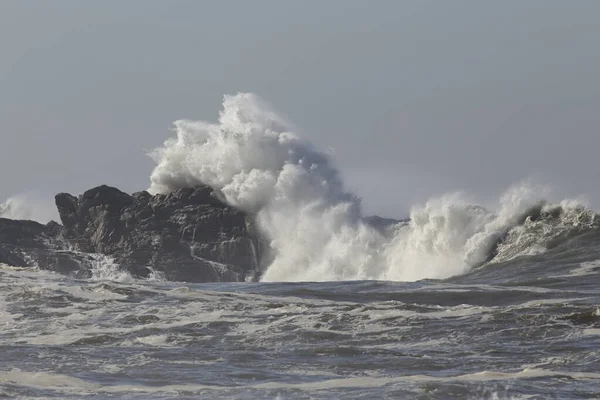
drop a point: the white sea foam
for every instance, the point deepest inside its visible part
(585, 268)
(104, 268)
(313, 223)
(61, 383)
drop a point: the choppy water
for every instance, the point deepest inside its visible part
(528, 328)
(526, 325)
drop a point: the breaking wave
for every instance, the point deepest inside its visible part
(314, 225)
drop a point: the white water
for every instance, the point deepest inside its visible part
(314, 225)
(31, 206)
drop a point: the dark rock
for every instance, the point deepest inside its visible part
(31, 244)
(188, 235)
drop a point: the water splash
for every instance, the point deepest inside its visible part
(30, 206)
(314, 226)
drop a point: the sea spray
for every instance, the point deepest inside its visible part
(31, 206)
(314, 225)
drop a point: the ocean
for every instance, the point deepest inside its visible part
(459, 300)
(528, 328)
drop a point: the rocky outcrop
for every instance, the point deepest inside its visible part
(192, 235)
(187, 235)
(31, 244)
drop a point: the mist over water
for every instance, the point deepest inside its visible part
(313, 223)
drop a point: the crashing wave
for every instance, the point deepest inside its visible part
(314, 226)
(544, 228)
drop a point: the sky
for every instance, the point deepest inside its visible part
(413, 98)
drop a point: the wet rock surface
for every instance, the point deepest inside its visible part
(187, 235)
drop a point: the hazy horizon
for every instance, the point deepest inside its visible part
(414, 98)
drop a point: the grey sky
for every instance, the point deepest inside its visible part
(416, 98)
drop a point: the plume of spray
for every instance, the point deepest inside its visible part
(30, 206)
(314, 225)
